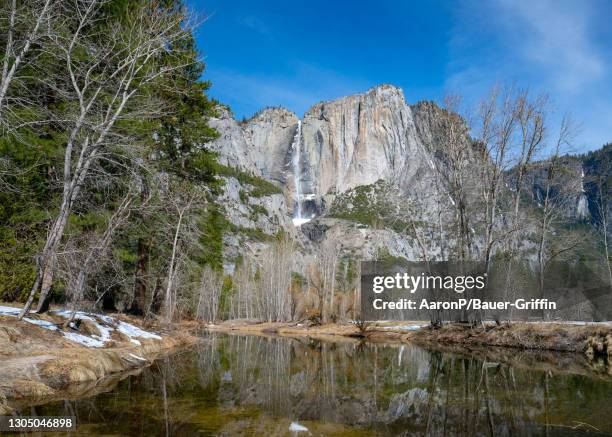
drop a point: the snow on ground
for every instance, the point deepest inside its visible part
(138, 358)
(405, 327)
(105, 331)
(42, 323)
(83, 339)
(128, 329)
(9, 311)
(103, 323)
(296, 427)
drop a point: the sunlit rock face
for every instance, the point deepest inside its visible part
(348, 162)
(360, 139)
(344, 143)
(268, 135)
(231, 144)
(259, 145)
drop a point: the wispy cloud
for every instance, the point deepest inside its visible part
(297, 90)
(546, 45)
(554, 35)
(255, 24)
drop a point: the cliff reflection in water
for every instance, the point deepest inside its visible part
(236, 385)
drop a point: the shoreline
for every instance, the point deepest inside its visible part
(38, 365)
(591, 340)
(39, 362)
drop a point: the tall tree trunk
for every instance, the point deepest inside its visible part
(44, 276)
(139, 303)
(168, 300)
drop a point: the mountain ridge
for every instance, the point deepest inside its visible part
(345, 144)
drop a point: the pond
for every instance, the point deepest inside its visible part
(265, 386)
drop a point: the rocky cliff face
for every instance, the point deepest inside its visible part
(567, 187)
(344, 143)
(360, 139)
(337, 147)
(322, 165)
(579, 188)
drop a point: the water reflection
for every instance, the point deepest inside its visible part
(237, 385)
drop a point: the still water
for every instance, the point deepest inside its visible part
(259, 386)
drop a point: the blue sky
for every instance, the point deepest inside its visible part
(295, 54)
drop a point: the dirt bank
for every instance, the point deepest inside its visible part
(41, 359)
(594, 340)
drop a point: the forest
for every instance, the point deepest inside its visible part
(112, 187)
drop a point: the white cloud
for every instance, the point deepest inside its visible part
(299, 89)
(546, 45)
(554, 35)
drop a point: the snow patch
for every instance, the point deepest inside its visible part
(104, 330)
(42, 323)
(132, 331)
(83, 339)
(296, 427)
(405, 327)
(138, 358)
(9, 311)
(104, 324)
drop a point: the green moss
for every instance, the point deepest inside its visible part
(370, 205)
(298, 279)
(261, 187)
(386, 260)
(257, 210)
(226, 295)
(244, 196)
(254, 233)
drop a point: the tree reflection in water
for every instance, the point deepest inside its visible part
(249, 385)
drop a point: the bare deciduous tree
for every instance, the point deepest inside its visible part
(26, 23)
(275, 281)
(555, 197)
(209, 296)
(454, 168)
(602, 222)
(181, 201)
(322, 276)
(93, 254)
(108, 86)
(243, 300)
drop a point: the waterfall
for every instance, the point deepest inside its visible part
(582, 208)
(296, 147)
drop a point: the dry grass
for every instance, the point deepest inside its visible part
(285, 329)
(592, 340)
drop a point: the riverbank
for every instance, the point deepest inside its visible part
(592, 339)
(40, 358)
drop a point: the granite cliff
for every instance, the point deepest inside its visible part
(360, 169)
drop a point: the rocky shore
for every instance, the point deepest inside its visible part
(41, 359)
